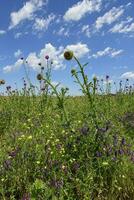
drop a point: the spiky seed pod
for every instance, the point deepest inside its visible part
(68, 55)
(39, 77)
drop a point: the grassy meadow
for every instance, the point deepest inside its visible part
(58, 147)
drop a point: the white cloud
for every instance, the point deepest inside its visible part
(55, 55)
(17, 35)
(33, 61)
(79, 49)
(26, 12)
(10, 68)
(108, 52)
(109, 17)
(62, 32)
(77, 11)
(42, 24)
(123, 27)
(86, 30)
(17, 53)
(2, 32)
(129, 75)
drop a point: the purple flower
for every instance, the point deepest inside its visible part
(75, 167)
(107, 77)
(7, 164)
(26, 196)
(14, 153)
(56, 183)
(115, 140)
(98, 154)
(84, 130)
(123, 141)
(120, 152)
(46, 57)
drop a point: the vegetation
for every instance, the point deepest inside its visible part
(54, 146)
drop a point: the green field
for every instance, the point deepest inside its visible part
(54, 146)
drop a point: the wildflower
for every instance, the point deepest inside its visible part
(39, 77)
(29, 137)
(123, 141)
(26, 197)
(14, 153)
(8, 88)
(84, 130)
(47, 57)
(107, 77)
(105, 163)
(7, 164)
(63, 167)
(75, 167)
(2, 82)
(98, 154)
(73, 72)
(68, 55)
(38, 162)
(94, 78)
(115, 140)
(56, 183)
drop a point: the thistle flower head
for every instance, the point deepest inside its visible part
(107, 77)
(39, 77)
(2, 82)
(68, 55)
(46, 57)
(94, 78)
(73, 71)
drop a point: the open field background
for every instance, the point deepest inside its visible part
(54, 146)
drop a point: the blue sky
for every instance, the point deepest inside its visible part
(100, 32)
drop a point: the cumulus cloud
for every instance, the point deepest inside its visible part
(13, 67)
(79, 49)
(55, 55)
(108, 52)
(109, 17)
(86, 30)
(26, 12)
(17, 53)
(77, 11)
(2, 32)
(123, 27)
(62, 32)
(42, 24)
(129, 75)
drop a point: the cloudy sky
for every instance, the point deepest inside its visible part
(100, 32)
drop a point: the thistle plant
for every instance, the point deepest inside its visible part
(85, 85)
(61, 95)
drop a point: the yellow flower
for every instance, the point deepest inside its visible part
(105, 163)
(29, 137)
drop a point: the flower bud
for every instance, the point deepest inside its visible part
(68, 55)
(39, 77)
